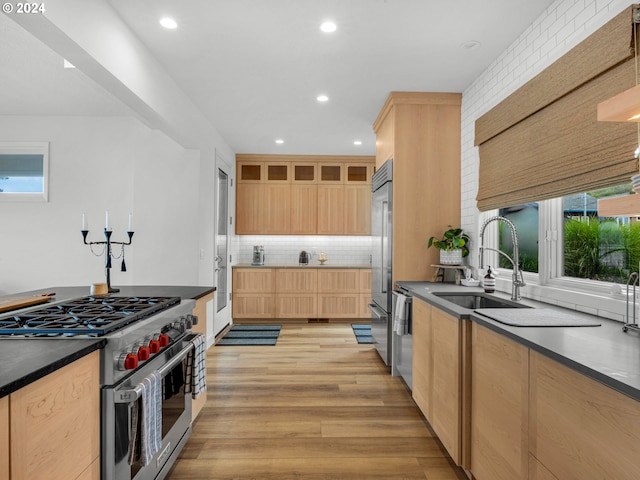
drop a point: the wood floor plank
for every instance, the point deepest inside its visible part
(315, 406)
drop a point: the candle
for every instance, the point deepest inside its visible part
(84, 222)
(106, 221)
(130, 222)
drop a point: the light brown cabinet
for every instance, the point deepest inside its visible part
(339, 293)
(55, 424)
(296, 293)
(422, 362)
(500, 407)
(365, 292)
(253, 292)
(305, 293)
(303, 195)
(440, 376)
(421, 133)
(200, 311)
(579, 428)
(4, 438)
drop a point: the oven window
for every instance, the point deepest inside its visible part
(175, 399)
(173, 404)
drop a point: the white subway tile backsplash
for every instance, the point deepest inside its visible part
(340, 250)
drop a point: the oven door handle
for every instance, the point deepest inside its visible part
(132, 394)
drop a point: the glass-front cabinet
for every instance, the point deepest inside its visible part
(303, 195)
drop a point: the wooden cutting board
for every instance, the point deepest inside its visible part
(14, 303)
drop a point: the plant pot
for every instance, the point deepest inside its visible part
(451, 257)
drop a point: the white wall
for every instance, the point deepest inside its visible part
(561, 27)
(99, 164)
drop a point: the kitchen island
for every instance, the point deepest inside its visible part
(27, 360)
(526, 402)
(51, 400)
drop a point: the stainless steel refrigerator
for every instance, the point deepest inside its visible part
(381, 285)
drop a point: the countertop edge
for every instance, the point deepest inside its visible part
(49, 368)
(596, 375)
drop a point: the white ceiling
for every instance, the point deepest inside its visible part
(255, 67)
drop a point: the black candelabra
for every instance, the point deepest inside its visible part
(108, 253)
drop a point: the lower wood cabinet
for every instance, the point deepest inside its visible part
(422, 363)
(440, 378)
(4, 438)
(253, 292)
(296, 295)
(305, 293)
(579, 428)
(200, 311)
(499, 414)
(55, 424)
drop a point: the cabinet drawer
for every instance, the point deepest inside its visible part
(290, 305)
(339, 281)
(296, 280)
(253, 280)
(253, 305)
(338, 305)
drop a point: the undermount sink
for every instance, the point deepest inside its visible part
(474, 300)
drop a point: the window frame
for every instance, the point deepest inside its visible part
(28, 148)
(606, 299)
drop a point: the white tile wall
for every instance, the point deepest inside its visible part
(340, 250)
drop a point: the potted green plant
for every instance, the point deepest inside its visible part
(453, 246)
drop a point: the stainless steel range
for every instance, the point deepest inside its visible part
(150, 369)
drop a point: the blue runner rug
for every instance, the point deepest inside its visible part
(362, 332)
(251, 335)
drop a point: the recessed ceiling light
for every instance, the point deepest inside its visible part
(67, 64)
(279, 141)
(357, 142)
(471, 45)
(328, 27)
(322, 98)
(167, 22)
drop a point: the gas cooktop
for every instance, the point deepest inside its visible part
(92, 316)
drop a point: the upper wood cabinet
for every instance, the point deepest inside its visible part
(421, 133)
(303, 195)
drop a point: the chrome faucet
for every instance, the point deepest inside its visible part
(518, 279)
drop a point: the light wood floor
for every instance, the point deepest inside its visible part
(316, 406)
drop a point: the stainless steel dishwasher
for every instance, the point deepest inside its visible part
(402, 320)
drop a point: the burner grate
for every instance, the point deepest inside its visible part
(87, 316)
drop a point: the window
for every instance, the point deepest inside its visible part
(24, 169)
(599, 248)
(563, 242)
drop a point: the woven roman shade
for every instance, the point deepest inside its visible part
(544, 140)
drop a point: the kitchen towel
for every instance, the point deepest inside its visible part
(400, 315)
(199, 373)
(151, 439)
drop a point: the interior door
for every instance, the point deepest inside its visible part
(222, 316)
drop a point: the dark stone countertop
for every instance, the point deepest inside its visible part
(605, 354)
(24, 361)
